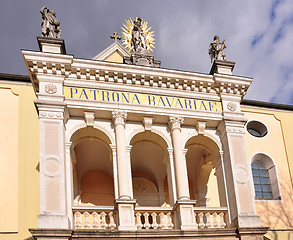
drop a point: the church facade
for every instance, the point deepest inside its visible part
(117, 147)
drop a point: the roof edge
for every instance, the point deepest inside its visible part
(14, 77)
(266, 104)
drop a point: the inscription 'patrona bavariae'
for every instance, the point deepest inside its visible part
(141, 99)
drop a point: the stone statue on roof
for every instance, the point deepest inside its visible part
(138, 37)
(50, 25)
(216, 49)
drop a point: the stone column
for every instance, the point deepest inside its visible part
(237, 175)
(69, 181)
(171, 177)
(179, 159)
(115, 175)
(185, 218)
(125, 203)
(123, 163)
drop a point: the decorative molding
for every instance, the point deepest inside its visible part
(241, 174)
(51, 166)
(175, 122)
(232, 106)
(200, 127)
(143, 185)
(119, 117)
(50, 88)
(55, 115)
(89, 118)
(235, 130)
(82, 69)
(147, 122)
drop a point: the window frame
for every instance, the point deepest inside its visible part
(270, 166)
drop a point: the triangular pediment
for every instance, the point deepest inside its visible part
(113, 53)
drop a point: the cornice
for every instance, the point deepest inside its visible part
(74, 69)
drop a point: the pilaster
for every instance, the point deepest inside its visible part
(53, 186)
(237, 173)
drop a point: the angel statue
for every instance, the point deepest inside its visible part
(216, 49)
(50, 25)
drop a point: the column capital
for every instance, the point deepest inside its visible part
(119, 117)
(175, 122)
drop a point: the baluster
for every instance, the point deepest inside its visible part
(138, 220)
(112, 224)
(154, 220)
(86, 220)
(77, 220)
(146, 221)
(170, 224)
(215, 218)
(95, 220)
(196, 225)
(163, 221)
(208, 217)
(201, 223)
(222, 221)
(104, 224)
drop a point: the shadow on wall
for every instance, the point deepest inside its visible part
(278, 214)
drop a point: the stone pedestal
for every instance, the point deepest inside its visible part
(222, 67)
(185, 215)
(126, 219)
(51, 45)
(142, 60)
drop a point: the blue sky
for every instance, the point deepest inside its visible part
(258, 34)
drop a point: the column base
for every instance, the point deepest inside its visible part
(126, 219)
(54, 234)
(253, 233)
(246, 221)
(53, 221)
(185, 215)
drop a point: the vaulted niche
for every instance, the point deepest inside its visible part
(92, 168)
(202, 157)
(149, 174)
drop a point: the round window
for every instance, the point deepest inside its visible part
(256, 129)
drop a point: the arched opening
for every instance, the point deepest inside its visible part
(92, 168)
(201, 157)
(148, 163)
(265, 178)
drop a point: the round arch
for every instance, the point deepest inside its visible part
(155, 131)
(75, 129)
(202, 156)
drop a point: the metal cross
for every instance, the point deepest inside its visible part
(115, 36)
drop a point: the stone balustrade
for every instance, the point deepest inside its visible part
(211, 217)
(154, 218)
(146, 217)
(94, 218)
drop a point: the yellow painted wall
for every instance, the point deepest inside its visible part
(115, 57)
(277, 144)
(19, 153)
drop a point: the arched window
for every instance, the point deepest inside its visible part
(264, 177)
(261, 180)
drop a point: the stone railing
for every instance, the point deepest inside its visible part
(94, 217)
(154, 218)
(211, 217)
